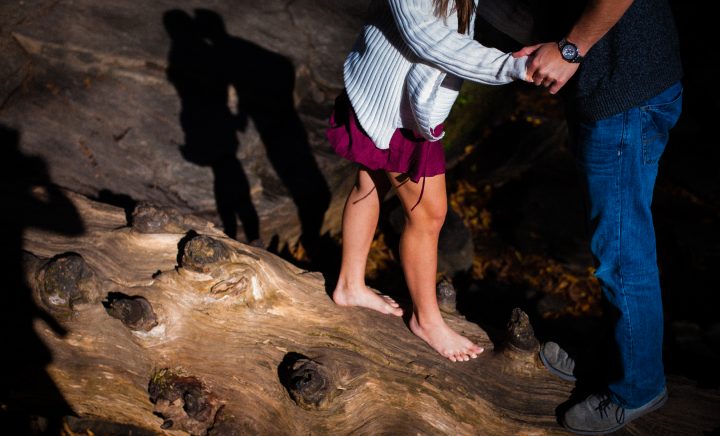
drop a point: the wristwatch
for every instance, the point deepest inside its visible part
(569, 51)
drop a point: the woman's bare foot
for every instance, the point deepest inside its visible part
(446, 341)
(366, 297)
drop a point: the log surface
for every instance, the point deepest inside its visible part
(188, 331)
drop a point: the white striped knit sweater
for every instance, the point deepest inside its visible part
(407, 66)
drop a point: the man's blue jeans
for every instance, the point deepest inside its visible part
(618, 160)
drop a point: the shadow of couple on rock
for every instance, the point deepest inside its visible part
(206, 65)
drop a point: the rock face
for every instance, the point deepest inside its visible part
(220, 112)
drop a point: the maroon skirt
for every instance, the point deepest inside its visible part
(409, 153)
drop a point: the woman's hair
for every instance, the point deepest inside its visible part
(464, 8)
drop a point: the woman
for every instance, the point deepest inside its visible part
(401, 80)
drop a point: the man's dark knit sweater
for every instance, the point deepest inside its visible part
(636, 60)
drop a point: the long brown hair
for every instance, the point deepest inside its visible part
(464, 8)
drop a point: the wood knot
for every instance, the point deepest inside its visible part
(135, 312)
(148, 218)
(308, 382)
(62, 282)
(520, 334)
(182, 401)
(201, 253)
(446, 296)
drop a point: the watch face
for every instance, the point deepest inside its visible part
(569, 51)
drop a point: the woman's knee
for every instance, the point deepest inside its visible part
(428, 214)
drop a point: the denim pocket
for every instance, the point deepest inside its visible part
(658, 116)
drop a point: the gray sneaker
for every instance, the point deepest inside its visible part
(597, 414)
(557, 361)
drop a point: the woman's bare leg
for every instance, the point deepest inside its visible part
(418, 255)
(360, 218)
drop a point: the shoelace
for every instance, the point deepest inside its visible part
(605, 404)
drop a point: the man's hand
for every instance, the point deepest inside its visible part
(546, 66)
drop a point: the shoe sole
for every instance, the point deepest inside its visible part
(655, 405)
(556, 372)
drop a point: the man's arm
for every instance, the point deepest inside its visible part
(548, 68)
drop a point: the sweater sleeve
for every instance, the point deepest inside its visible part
(433, 41)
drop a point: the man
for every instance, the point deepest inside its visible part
(618, 65)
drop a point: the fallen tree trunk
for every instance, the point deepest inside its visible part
(170, 326)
